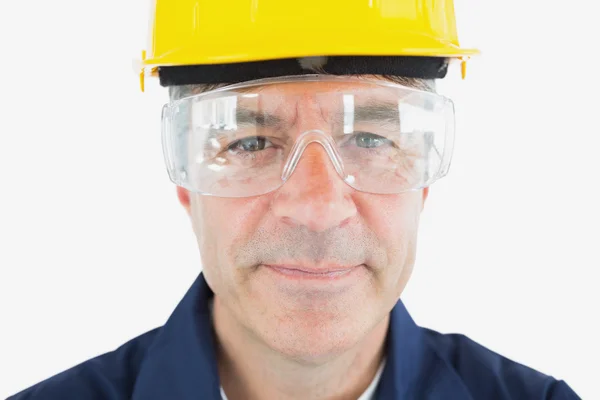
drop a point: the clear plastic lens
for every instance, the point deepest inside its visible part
(247, 140)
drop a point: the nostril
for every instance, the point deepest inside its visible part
(345, 222)
(313, 212)
(289, 221)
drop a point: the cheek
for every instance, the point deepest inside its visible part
(394, 219)
(224, 219)
(220, 225)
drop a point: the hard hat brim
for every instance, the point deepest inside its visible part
(313, 43)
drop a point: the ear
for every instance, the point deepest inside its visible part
(184, 198)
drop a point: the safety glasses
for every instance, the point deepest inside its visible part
(247, 139)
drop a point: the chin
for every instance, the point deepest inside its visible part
(313, 337)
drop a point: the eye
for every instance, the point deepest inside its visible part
(370, 140)
(250, 144)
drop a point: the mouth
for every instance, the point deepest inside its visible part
(304, 273)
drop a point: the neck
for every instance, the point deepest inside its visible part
(249, 369)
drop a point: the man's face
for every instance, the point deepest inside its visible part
(310, 268)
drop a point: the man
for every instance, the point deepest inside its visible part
(302, 139)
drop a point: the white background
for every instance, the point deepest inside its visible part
(95, 249)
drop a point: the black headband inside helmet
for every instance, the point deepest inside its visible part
(406, 66)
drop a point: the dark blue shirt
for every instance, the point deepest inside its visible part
(177, 362)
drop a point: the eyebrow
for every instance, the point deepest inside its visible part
(247, 117)
(244, 116)
(377, 112)
(371, 111)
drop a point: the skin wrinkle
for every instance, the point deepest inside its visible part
(181, 91)
(307, 341)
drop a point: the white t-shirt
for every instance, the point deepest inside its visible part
(368, 394)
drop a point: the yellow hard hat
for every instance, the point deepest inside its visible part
(220, 32)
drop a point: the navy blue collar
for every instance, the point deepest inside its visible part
(414, 370)
(181, 362)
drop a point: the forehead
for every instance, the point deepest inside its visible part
(286, 97)
(181, 91)
(281, 104)
(322, 86)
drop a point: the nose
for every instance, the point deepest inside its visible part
(314, 196)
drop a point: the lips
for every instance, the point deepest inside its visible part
(293, 271)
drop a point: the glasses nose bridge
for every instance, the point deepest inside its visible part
(305, 139)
